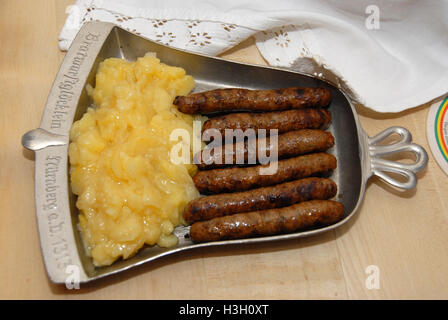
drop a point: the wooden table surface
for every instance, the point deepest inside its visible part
(403, 234)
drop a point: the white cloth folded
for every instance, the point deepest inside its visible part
(387, 55)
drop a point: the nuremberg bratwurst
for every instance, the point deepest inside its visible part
(289, 144)
(240, 178)
(283, 121)
(303, 216)
(233, 99)
(281, 195)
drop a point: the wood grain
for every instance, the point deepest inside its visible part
(405, 234)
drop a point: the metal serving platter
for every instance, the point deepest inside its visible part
(359, 156)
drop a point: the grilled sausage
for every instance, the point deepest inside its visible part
(283, 121)
(289, 144)
(277, 196)
(228, 100)
(240, 179)
(302, 216)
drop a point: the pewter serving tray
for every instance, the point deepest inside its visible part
(359, 156)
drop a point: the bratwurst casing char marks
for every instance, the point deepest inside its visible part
(289, 144)
(283, 121)
(240, 179)
(303, 216)
(277, 196)
(229, 100)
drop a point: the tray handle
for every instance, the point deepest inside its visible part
(381, 167)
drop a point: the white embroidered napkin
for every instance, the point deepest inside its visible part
(387, 55)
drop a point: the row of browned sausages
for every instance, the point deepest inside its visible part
(241, 202)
